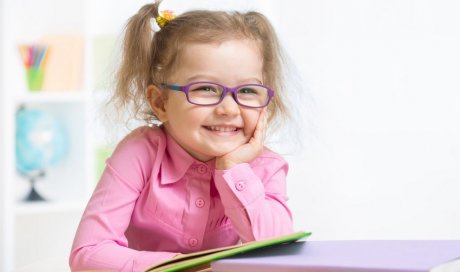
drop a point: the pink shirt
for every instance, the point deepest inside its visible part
(155, 201)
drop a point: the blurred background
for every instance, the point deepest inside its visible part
(374, 147)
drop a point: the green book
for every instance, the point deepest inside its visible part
(202, 259)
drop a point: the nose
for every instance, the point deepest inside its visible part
(228, 106)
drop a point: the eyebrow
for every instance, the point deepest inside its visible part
(214, 79)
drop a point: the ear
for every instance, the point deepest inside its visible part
(157, 102)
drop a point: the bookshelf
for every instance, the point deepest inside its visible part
(34, 233)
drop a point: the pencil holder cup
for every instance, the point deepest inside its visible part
(35, 78)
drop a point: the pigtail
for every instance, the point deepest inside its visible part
(135, 72)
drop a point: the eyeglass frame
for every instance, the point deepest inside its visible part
(233, 90)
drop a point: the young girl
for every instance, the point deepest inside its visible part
(202, 178)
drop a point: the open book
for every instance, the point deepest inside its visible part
(201, 259)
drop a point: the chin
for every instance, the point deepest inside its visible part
(219, 151)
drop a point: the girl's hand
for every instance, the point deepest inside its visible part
(248, 151)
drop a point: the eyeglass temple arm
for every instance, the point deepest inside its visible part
(172, 87)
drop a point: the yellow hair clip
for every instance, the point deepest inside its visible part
(165, 17)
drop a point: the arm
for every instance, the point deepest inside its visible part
(100, 241)
(255, 200)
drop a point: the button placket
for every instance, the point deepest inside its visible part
(198, 189)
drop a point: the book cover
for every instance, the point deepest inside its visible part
(201, 259)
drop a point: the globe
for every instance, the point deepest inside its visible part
(41, 141)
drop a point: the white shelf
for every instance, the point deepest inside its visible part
(48, 207)
(52, 96)
(26, 227)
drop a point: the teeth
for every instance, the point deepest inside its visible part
(222, 129)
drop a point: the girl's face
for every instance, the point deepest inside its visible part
(207, 132)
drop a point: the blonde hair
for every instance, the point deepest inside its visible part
(149, 57)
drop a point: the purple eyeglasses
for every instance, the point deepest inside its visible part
(204, 93)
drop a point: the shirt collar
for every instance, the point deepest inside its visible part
(177, 161)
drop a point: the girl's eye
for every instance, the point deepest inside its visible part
(247, 91)
(204, 89)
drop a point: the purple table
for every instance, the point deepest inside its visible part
(345, 256)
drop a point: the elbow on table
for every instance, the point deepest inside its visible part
(78, 260)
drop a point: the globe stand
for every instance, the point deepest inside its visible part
(33, 194)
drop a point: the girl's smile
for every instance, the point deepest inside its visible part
(223, 130)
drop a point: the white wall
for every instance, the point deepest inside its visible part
(383, 157)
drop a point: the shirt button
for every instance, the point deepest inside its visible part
(240, 186)
(202, 169)
(199, 203)
(192, 242)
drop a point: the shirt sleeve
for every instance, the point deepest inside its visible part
(100, 241)
(255, 199)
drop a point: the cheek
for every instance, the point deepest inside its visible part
(186, 116)
(250, 121)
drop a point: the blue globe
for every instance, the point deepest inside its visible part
(41, 140)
